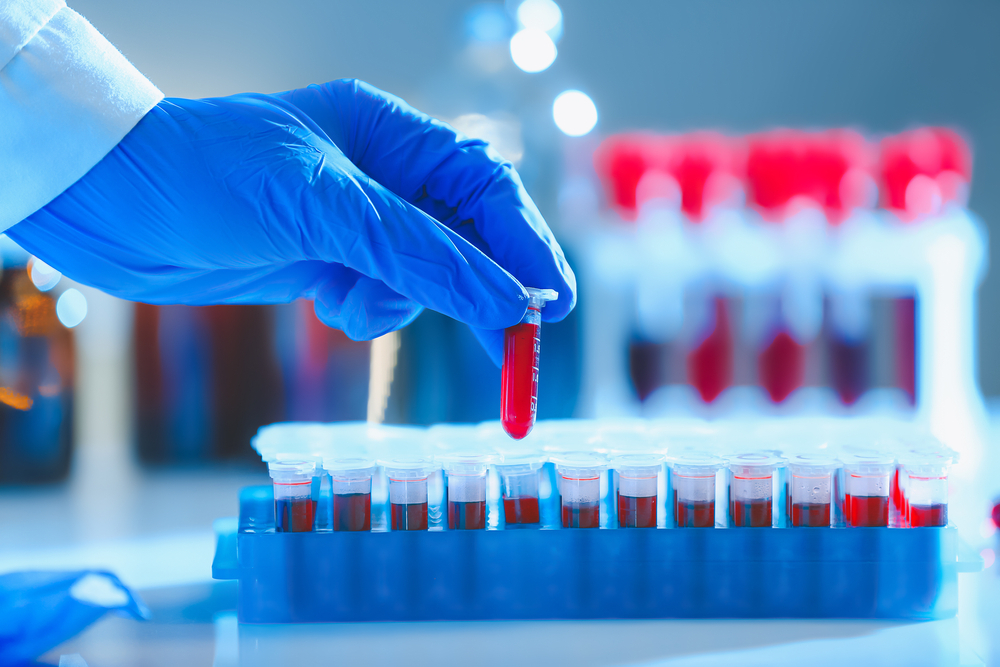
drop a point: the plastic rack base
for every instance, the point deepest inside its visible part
(576, 574)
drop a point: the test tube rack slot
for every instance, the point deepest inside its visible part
(578, 574)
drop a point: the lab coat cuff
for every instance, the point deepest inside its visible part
(67, 97)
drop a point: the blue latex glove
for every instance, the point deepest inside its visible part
(39, 611)
(328, 193)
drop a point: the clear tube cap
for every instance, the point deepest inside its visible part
(695, 463)
(349, 468)
(925, 464)
(467, 463)
(408, 467)
(639, 464)
(521, 461)
(581, 465)
(291, 471)
(281, 457)
(754, 464)
(868, 463)
(812, 465)
(538, 297)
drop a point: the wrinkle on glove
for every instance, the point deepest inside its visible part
(40, 610)
(461, 182)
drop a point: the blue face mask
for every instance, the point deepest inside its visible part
(40, 610)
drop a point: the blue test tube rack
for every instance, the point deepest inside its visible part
(551, 573)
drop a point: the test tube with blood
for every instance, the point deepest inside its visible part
(579, 477)
(519, 376)
(519, 488)
(351, 481)
(751, 490)
(294, 505)
(465, 479)
(407, 477)
(638, 476)
(866, 488)
(926, 477)
(811, 490)
(692, 477)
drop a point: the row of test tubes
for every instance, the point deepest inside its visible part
(340, 477)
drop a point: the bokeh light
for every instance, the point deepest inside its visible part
(487, 23)
(543, 15)
(71, 307)
(42, 275)
(574, 113)
(532, 50)
(988, 556)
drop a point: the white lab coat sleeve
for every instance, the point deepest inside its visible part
(67, 97)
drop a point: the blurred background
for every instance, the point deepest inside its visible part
(107, 408)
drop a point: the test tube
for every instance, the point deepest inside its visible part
(751, 490)
(638, 475)
(519, 488)
(926, 489)
(352, 493)
(692, 476)
(866, 488)
(294, 505)
(811, 490)
(579, 478)
(407, 477)
(465, 475)
(519, 383)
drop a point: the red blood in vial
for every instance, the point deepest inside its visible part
(710, 365)
(694, 514)
(519, 384)
(409, 516)
(467, 516)
(621, 161)
(352, 511)
(294, 515)
(922, 516)
(811, 515)
(894, 491)
(752, 514)
(781, 366)
(867, 511)
(581, 515)
(995, 515)
(928, 152)
(636, 511)
(520, 510)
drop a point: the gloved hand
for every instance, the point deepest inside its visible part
(325, 193)
(40, 610)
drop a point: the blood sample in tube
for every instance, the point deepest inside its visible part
(294, 515)
(638, 475)
(352, 493)
(294, 505)
(519, 487)
(408, 516)
(866, 489)
(519, 377)
(750, 490)
(811, 490)
(692, 476)
(408, 491)
(579, 477)
(926, 475)
(465, 474)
